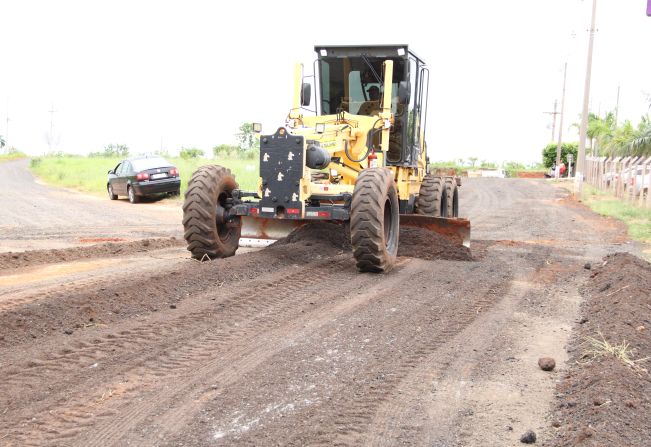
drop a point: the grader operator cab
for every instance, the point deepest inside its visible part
(358, 157)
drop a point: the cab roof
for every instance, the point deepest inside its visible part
(381, 51)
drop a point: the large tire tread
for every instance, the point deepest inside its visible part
(432, 197)
(199, 219)
(372, 189)
(452, 192)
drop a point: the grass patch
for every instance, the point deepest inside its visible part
(13, 155)
(637, 219)
(89, 174)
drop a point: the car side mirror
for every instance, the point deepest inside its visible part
(306, 94)
(404, 92)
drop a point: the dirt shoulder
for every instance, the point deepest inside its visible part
(604, 396)
(39, 217)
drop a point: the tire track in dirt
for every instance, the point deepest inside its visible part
(412, 417)
(354, 417)
(349, 413)
(164, 365)
(27, 285)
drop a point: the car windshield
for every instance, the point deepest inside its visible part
(142, 164)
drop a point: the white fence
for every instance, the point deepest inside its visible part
(628, 178)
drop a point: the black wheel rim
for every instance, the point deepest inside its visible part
(225, 229)
(389, 225)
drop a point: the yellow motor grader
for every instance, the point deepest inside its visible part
(359, 157)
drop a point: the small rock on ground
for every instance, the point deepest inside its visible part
(546, 363)
(529, 437)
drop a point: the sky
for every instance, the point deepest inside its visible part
(169, 74)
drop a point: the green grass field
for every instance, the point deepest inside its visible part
(89, 174)
(637, 219)
(11, 156)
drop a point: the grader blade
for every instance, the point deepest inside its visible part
(455, 229)
(258, 232)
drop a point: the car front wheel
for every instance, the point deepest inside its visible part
(112, 196)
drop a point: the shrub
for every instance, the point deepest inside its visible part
(190, 152)
(225, 150)
(549, 153)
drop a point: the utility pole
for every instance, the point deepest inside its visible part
(557, 174)
(553, 114)
(51, 139)
(580, 162)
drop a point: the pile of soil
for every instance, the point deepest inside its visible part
(106, 250)
(413, 242)
(603, 401)
(424, 244)
(320, 235)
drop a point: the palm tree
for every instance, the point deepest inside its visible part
(640, 143)
(619, 142)
(600, 130)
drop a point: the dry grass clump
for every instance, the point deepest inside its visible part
(600, 347)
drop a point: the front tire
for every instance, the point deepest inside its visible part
(206, 231)
(452, 192)
(375, 220)
(432, 197)
(109, 189)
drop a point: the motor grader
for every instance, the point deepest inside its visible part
(358, 157)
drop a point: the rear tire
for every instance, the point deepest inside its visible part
(109, 189)
(432, 197)
(133, 198)
(375, 220)
(452, 192)
(205, 232)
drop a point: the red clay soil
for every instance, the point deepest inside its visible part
(602, 401)
(528, 174)
(11, 260)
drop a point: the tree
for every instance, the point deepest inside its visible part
(116, 150)
(640, 144)
(246, 137)
(549, 153)
(191, 152)
(2, 141)
(224, 150)
(472, 161)
(600, 130)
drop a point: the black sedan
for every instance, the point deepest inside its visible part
(143, 176)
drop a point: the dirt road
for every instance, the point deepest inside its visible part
(290, 346)
(35, 216)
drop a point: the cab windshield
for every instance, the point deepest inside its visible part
(355, 84)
